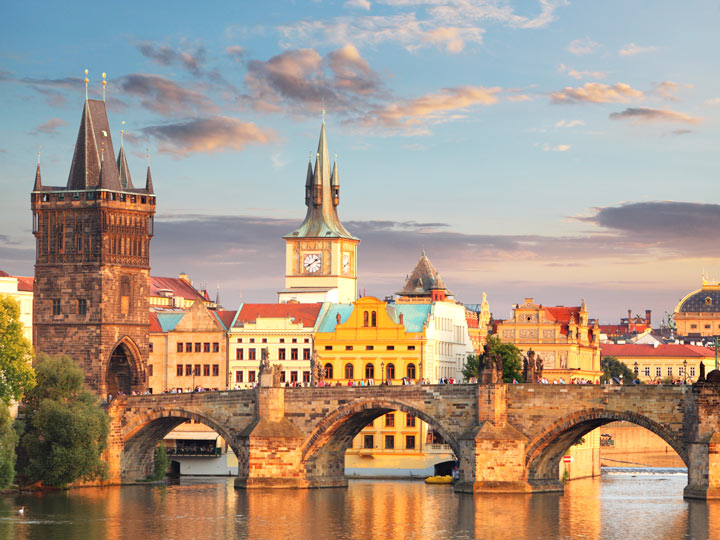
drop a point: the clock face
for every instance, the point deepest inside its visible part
(312, 262)
(346, 263)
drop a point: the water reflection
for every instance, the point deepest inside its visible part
(616, 507)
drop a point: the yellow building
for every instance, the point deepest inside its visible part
(321, 255)
(562, 336)
(698, 313)
(653, 363)
(21, 289)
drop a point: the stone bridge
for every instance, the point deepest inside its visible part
(507, 438)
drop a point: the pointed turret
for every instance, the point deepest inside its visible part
(423, 280)
(38, 179)
(148, 182)
(321, 220)
(93, 136)
(335, 183)
(124, 171)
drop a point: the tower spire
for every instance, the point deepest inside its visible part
(335, 183)
(86, 84)
(148, 179)
(123, 169)
(38, 179)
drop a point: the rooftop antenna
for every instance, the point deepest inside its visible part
(86, 83)
(122, 131)
(104, 83)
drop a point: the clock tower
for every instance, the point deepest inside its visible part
(320, 255)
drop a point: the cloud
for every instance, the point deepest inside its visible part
(341, 81)
(166, 56)
(453, 38)
(569, 123)
(431, 106)
(164, 96)
(679, 132)
(236, 52)
(575, 74)
(50, 127)
(215, 134)
(668, 89)
(632, 49)
(597, 93)
(582, 46)
(646, 114)
(360, 4)
(713, 101)
(557, 148)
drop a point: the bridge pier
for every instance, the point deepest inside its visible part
(704, 469)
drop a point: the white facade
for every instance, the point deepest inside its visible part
(448, 341)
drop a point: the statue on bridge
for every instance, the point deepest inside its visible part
(316, 370)
(538, 367)
(268, 375)
(529, 367)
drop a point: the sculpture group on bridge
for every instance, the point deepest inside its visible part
(532, 367)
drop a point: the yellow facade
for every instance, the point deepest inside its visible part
(20, 288)
(667, 361)
(562, 336)
(698, 313)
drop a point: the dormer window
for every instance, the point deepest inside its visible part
(708, 301)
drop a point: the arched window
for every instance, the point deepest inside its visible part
(369, 371)
(365, 318)
(328, 371)
(374, 318)
(411, 371)
(390, 371)
(349, 371)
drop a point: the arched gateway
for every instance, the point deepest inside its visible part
(507, 438)
(123, 372)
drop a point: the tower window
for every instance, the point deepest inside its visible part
(374, 319)
(365, 318)
(56, 306)
(82, 306)
(125, 295)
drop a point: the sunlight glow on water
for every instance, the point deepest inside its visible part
(618, 506)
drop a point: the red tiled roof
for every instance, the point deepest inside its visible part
(666, 350)
(226, 317)
(562, 314)
(154, 323)
(3, 273)
(178, 286)
(25, 283)
(305, 313)
(610, 328)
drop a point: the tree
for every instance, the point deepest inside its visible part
(65, 430)
(161, 464)
(8, 439)
(16, 373)
(615, 370)
(511, 356)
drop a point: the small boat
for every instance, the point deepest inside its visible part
(439, 479)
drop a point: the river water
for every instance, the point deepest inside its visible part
(615, 506)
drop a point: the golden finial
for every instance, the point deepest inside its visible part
(38, 156)
(323, 110)
(86, 83)
(102, 153)
(104, 82)
(122, 132)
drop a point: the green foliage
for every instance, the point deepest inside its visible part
(161, 464)
(65, 430)
(16, 373)
(8, 440)
(613, 369)
(511, 355)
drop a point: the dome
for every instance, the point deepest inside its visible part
(705, 300)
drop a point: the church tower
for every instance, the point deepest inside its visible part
(93, 261)
(321, 256)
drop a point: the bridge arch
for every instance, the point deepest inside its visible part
(145, 431)
(544, 451)
(323, 452)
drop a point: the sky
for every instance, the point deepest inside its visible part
(549, 149)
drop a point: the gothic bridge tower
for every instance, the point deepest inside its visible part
(321, 255)
(93, 261)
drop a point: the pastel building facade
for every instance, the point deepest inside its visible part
(697, 315)
(656, 362)
(20, 288)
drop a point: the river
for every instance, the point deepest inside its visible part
(615, 506)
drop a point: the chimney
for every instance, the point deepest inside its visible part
(629, 315)
(647, 317)
(528, 300)
(184, 277)
(402, 319)
(337, 318)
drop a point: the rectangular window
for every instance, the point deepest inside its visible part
(411, 347)
(293, 376)
(692, 371)
(348, 347)
(216, 370)
(306, 376)
(282, 376)
(410, 420)
(328, 347)
(56, 306)
(179, 370)
(293, 354)
(389, 442)
(251, 354)
(306, 354)
(238, 376)
(306, 340)
(693, 326)
(239, 340)
(391, 347)
(410, 442)
(188, 347)
(188, 370)
(282, 340)
(150, 346)
(196, 371)
(150, 370)
(198, 347)
(707, 326)
(294, 340)
(369, 347)
(206, 370)
(179, 347)
(252, 340)
(264, 340)
(281, 354)
(206, 347)
(82, 306)
(251, 375)
(368, 441)
(390, 420)
(658, 371)
(647, 371)
(216, 347)
(238, 354)
(669, 371)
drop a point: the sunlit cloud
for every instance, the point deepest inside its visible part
(597, 93)
(576, 74)
(50, 127)
(582, 46)
(236, 52)
(163, 95)
(569, 123)
(632, 49)
(646, 114)
(360, 4)
(557, 148)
